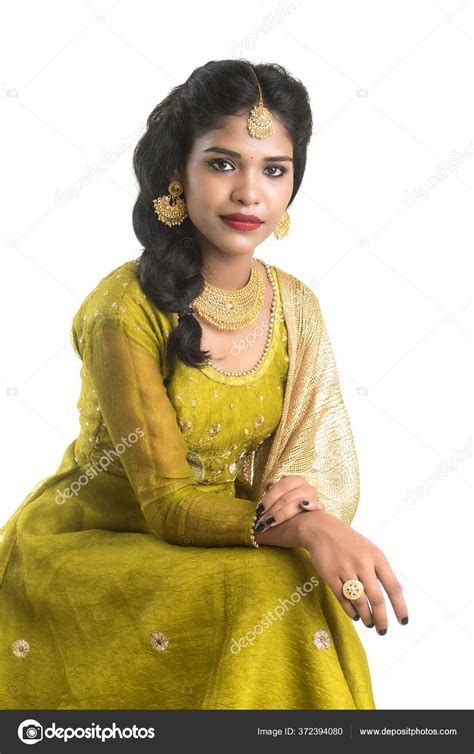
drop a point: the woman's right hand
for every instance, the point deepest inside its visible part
(340, 553)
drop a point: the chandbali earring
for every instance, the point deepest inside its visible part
(170, 208)
(283, 226)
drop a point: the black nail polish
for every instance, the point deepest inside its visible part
(370, 625)
(404, 620)
(259, 509)
(382, 631)
(355, 617)
(259, 526)
(305, 502)
(269, 520)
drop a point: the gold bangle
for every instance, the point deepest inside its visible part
(252, 532)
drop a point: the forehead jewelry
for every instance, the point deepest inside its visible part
(259, 122)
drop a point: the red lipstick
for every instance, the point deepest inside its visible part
(240, 221)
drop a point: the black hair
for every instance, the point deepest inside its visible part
(171, 259)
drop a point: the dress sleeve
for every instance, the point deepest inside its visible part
(124, 354)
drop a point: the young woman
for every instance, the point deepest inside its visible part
(194, 549)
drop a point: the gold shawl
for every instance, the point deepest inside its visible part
(314, 437)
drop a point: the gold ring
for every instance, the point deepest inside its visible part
(353, 589)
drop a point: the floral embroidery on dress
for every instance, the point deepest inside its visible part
(321, 639)
(186, 425)
(159, 641)
(20, 648)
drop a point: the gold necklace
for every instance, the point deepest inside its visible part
(232, 310)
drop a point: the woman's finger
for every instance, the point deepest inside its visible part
(376, 599)
(281, 512)
(309, 505)
(276, 492)
(392, 586)
(285, 500)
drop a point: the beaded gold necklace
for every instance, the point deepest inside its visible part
(268, 340)
(232, 310)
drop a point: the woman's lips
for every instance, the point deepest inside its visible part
(240, 224)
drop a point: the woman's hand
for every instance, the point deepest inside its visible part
(286, 498)
(340, 553)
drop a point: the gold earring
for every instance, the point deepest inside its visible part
(283, 226)
(171, 209)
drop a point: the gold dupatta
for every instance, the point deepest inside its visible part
(314, 437)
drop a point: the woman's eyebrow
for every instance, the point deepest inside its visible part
(231, 153)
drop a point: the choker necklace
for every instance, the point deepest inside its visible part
(232, 310)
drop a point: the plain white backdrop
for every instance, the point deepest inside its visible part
(380, 231)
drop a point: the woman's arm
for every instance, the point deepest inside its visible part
(140, 417)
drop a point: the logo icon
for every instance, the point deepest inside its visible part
(30, 731)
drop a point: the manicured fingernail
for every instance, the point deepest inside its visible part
(355, 617)
(305, 502)
(269, 521)
(405, 620)
(382, 631)
(370, 625)
(259, 526)
(259, 509)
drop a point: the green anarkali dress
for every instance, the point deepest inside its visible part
(129, 578)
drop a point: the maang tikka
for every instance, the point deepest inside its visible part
(171, 209)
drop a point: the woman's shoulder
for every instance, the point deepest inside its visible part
(112, 288)
(118, 300)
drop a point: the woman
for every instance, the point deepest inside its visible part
(194, 548)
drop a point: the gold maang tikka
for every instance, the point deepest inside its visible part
(259, 122)
(260, 125)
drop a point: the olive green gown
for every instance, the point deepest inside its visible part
(129, 578)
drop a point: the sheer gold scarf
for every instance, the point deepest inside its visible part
(314, 437)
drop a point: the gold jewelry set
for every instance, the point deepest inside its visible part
(226, 309)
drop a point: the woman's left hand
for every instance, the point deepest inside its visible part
(284, 499)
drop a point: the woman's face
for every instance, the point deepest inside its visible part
(246, 181)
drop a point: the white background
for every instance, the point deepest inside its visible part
(379, 231)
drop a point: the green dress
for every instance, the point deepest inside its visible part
(129, 578)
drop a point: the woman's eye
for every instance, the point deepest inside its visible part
(283, 170)
(277, 167)
(213, 162)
